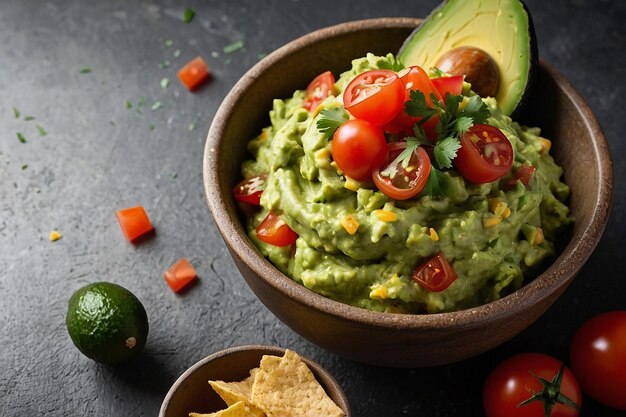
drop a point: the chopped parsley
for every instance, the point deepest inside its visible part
(330, 120)
(21, 137)
(165, 82)
(177, 53)
(152, 126)
(215, 54)
(85, 70)
(24, 166)
(168, 42)
(192, 126)
(233, 47)
(42, 131)
(156, 105)
(128, 104)
(188, 14)
(164, 64)
(16, 113)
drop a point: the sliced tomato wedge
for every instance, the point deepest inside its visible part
(194, 73)
(134, 223)
(398, 182)
(321, 87)
(250, 190)
(376, 96)
(180, 275)
(525, 174)
(415, 78)
(485, 154)
(452, 85)
(436, 274)
(274, 230)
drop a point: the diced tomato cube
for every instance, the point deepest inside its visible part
(134, 222)
(180, 275)
(194, 73)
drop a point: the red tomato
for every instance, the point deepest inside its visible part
(436, 274)
(194, 73)
(398, 182)
(452, 85)
(321, 87)
(180, 275)
(376, 96)
(274, 230)
(415, 78)
(512, 382)
(250, 190)
(525, 174)
(134, 223)
(485, 154)
(358, 148)
(598, 357)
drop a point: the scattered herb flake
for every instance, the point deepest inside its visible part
(128, 104)
(192, 126)
(177, 53)
(261, 55)
(330, 120)
(16, 113)
(215, 54)
(164, 64)
(165, 82)
(85, 70)
(28, 118)
(24, 166)
(42, 131)
(152, 126)
(174, 175)
(233, 47)
(141, 101)
(188, 14)
(156, 105)
(112, 122)
(21, 137)
(168, 42)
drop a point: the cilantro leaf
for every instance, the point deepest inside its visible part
(330, 120)
(394, 64)
(42, 131)
(475, 109)
(417, 106)
(85, 70)
(437, 183)
(21, 137)
(188, 14)
(462, 124)
(16, 113)
(436, 73)
(445, 151)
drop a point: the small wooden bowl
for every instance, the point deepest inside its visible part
(192, 393)
(391, 339)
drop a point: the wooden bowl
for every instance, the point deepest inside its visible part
(391, 339)
(192, 393)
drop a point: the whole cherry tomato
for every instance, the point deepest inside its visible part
(358, 148)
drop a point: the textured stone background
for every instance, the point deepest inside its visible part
(100, 156)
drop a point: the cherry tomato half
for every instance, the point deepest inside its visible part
(512, 382)
(525, 174)
(452, 85)
(321, 87)
(485, 154)
(250, 190)
(415, 78)
(398, 182)
(274, 230)
(436, 274)
(598, 357)
(358, 148)
(376, 96)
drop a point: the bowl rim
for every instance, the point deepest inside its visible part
(316, 368)
(557, 275)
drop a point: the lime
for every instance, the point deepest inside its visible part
(107, 323)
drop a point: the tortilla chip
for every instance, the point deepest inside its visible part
(234, 392)
(238, 409)
(288, 388)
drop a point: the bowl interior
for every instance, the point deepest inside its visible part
(553, 105)
(192, 392)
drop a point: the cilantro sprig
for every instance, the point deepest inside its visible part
(330, 120)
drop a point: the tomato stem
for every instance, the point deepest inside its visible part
(550, 394)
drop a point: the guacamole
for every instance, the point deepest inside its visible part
(492, 234)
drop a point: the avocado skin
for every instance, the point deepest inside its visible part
(533, 55)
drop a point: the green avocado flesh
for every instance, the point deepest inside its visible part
(372, 268)
(502, 28)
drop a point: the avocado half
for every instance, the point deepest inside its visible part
(502, 28)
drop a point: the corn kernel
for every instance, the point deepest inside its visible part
(491, 221)
(263, 136)
(386, 215)
(350, 224)
(538, 239)
(351, 185)
(379, 293)
(545, 146)
(54, 236)
(506, 213)
(432, 233)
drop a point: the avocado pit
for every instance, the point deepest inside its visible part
(479, 68)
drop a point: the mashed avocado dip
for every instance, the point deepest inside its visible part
(360, 247)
